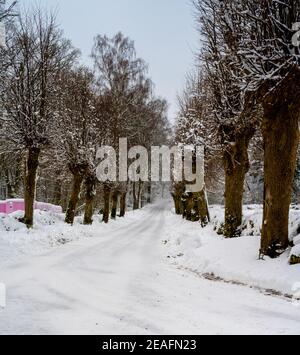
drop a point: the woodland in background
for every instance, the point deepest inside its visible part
(56, 113)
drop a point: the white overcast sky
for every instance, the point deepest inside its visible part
(163, 31)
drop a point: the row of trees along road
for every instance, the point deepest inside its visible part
(57, 112)
(246, 96)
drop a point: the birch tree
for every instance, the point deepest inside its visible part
(124, 85)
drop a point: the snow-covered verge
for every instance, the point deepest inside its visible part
(252, 223)
(117, 280)
(186, 244)
(206, 252)
(49, 231)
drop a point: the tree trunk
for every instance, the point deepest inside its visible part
(90, 185)
(184, 199)
(139, 195)
(123, 204)
(203, 209)
(106, 209)
(135, 197)
(32, 165)
(177, 203)
(149, 194)
(178, 196)
(76, 188)
(114, 207)
(281, 138)
(280, 128)
(236, 165)
(189, 206)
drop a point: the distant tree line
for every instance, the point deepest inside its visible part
(57, 112)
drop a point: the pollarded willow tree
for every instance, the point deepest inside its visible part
(192, 128)
(31, 64)
(270, 55)
(77, 136)
(233, 115)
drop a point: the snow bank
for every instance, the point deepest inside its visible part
(204, 251)
(49, 231)
(296, 251)
(185, 243)
(252, 220)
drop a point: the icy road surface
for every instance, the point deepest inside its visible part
(123, 283)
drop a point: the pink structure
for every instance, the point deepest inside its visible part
(10, 206)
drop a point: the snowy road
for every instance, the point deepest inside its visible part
(122, 284)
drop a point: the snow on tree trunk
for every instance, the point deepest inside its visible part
(294, 260)
(194, 207)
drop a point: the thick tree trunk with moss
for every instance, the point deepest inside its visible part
(106, 209)
(195, 207)
(32, 165)
(114, 207)
(236, 166)
(90, 194)
(123, 204)
(74, 198)
(281, 139)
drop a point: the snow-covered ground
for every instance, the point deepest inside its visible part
(205, 252)
(139, 275)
